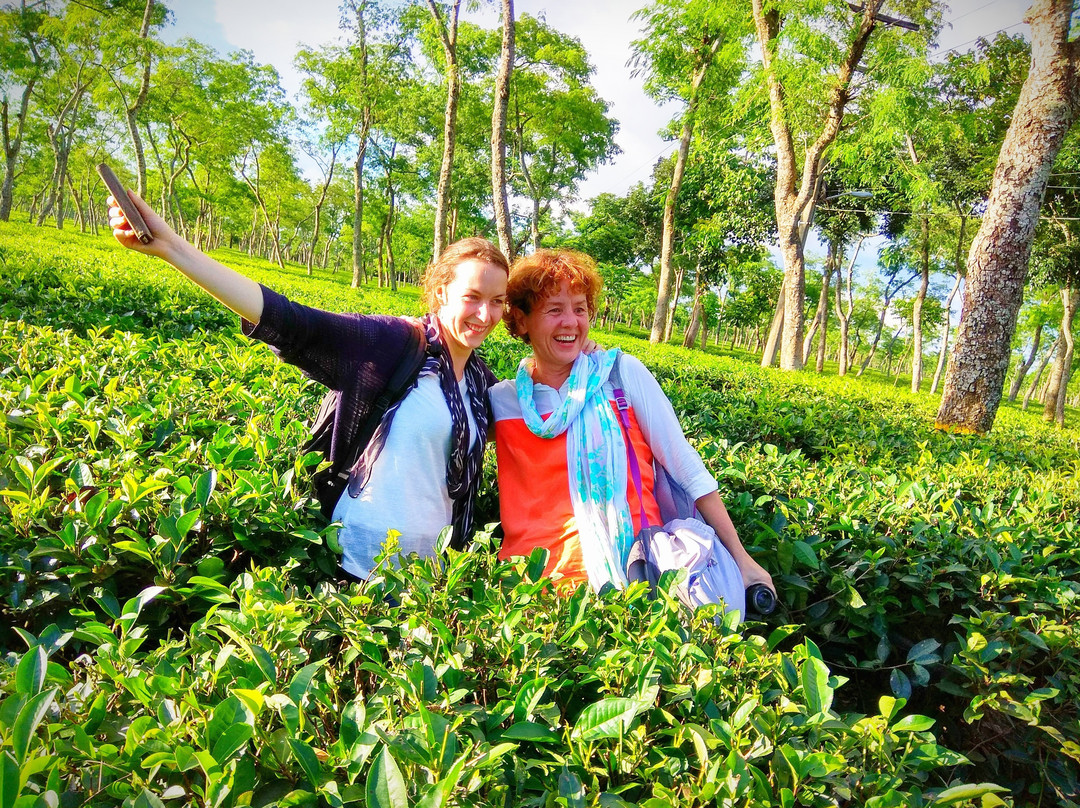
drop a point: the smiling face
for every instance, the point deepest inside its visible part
(556, 328)
(470, 305)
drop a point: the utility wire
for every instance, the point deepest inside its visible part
(973, 11)
(948, 214)
(956, 48)
(662, 153)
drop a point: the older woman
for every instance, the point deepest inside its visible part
(563, 480)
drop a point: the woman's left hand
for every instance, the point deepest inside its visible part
(590, 346)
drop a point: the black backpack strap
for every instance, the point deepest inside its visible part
(330, 483)
(413, 357)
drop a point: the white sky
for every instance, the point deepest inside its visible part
(271, 29)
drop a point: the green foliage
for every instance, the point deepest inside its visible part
(172, 631)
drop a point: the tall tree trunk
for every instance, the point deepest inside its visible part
(920, 299)
(697, 314)
(946, 328)
(874, 344)
(669, 324)
(1054, 409)
(811, 332)
(842, 356)
(823, 304)
(794, 196)
(997, 262)
(132, 112)
(80, 218)
(448, 37)
(318, 207)
(823, 311)
(661, 317)
(498, 132)
(776, 328)
(359, 273)
(12, 146)
(60, 138)
(391, 262)
(1038, 375)
(254, 185)
(1025, 366)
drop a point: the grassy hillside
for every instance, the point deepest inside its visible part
(172, 632)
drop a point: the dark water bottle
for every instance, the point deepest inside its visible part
(760, 599)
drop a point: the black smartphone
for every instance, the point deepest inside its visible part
(123, 201)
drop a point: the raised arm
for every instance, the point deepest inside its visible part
(235, 291)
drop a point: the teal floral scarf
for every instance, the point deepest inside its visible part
(595, 459)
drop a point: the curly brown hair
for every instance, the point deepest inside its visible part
(534, 277)
(441, 271)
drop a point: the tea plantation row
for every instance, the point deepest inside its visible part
(172, 632)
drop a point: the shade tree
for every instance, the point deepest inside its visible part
(1055, 266)
(25, 56)
(693, 52)
(559, 125)
(998, 259)
(809, 61)
(1039, 317)
(895, 274)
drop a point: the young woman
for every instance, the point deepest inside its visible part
(422, 468)
(563, 478)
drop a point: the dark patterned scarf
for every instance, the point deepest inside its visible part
(465, 464)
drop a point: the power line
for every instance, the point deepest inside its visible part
(973, 11)
(955, 48)
(948, 214)
(663, 152)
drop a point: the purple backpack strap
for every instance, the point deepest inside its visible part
(623, 405)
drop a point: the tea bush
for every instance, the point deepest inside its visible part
(173, 634)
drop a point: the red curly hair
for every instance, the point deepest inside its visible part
(534, 277)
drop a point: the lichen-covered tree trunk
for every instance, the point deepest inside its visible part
(997, 261)
(498, 132)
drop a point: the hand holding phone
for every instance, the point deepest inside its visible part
(123, 201)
